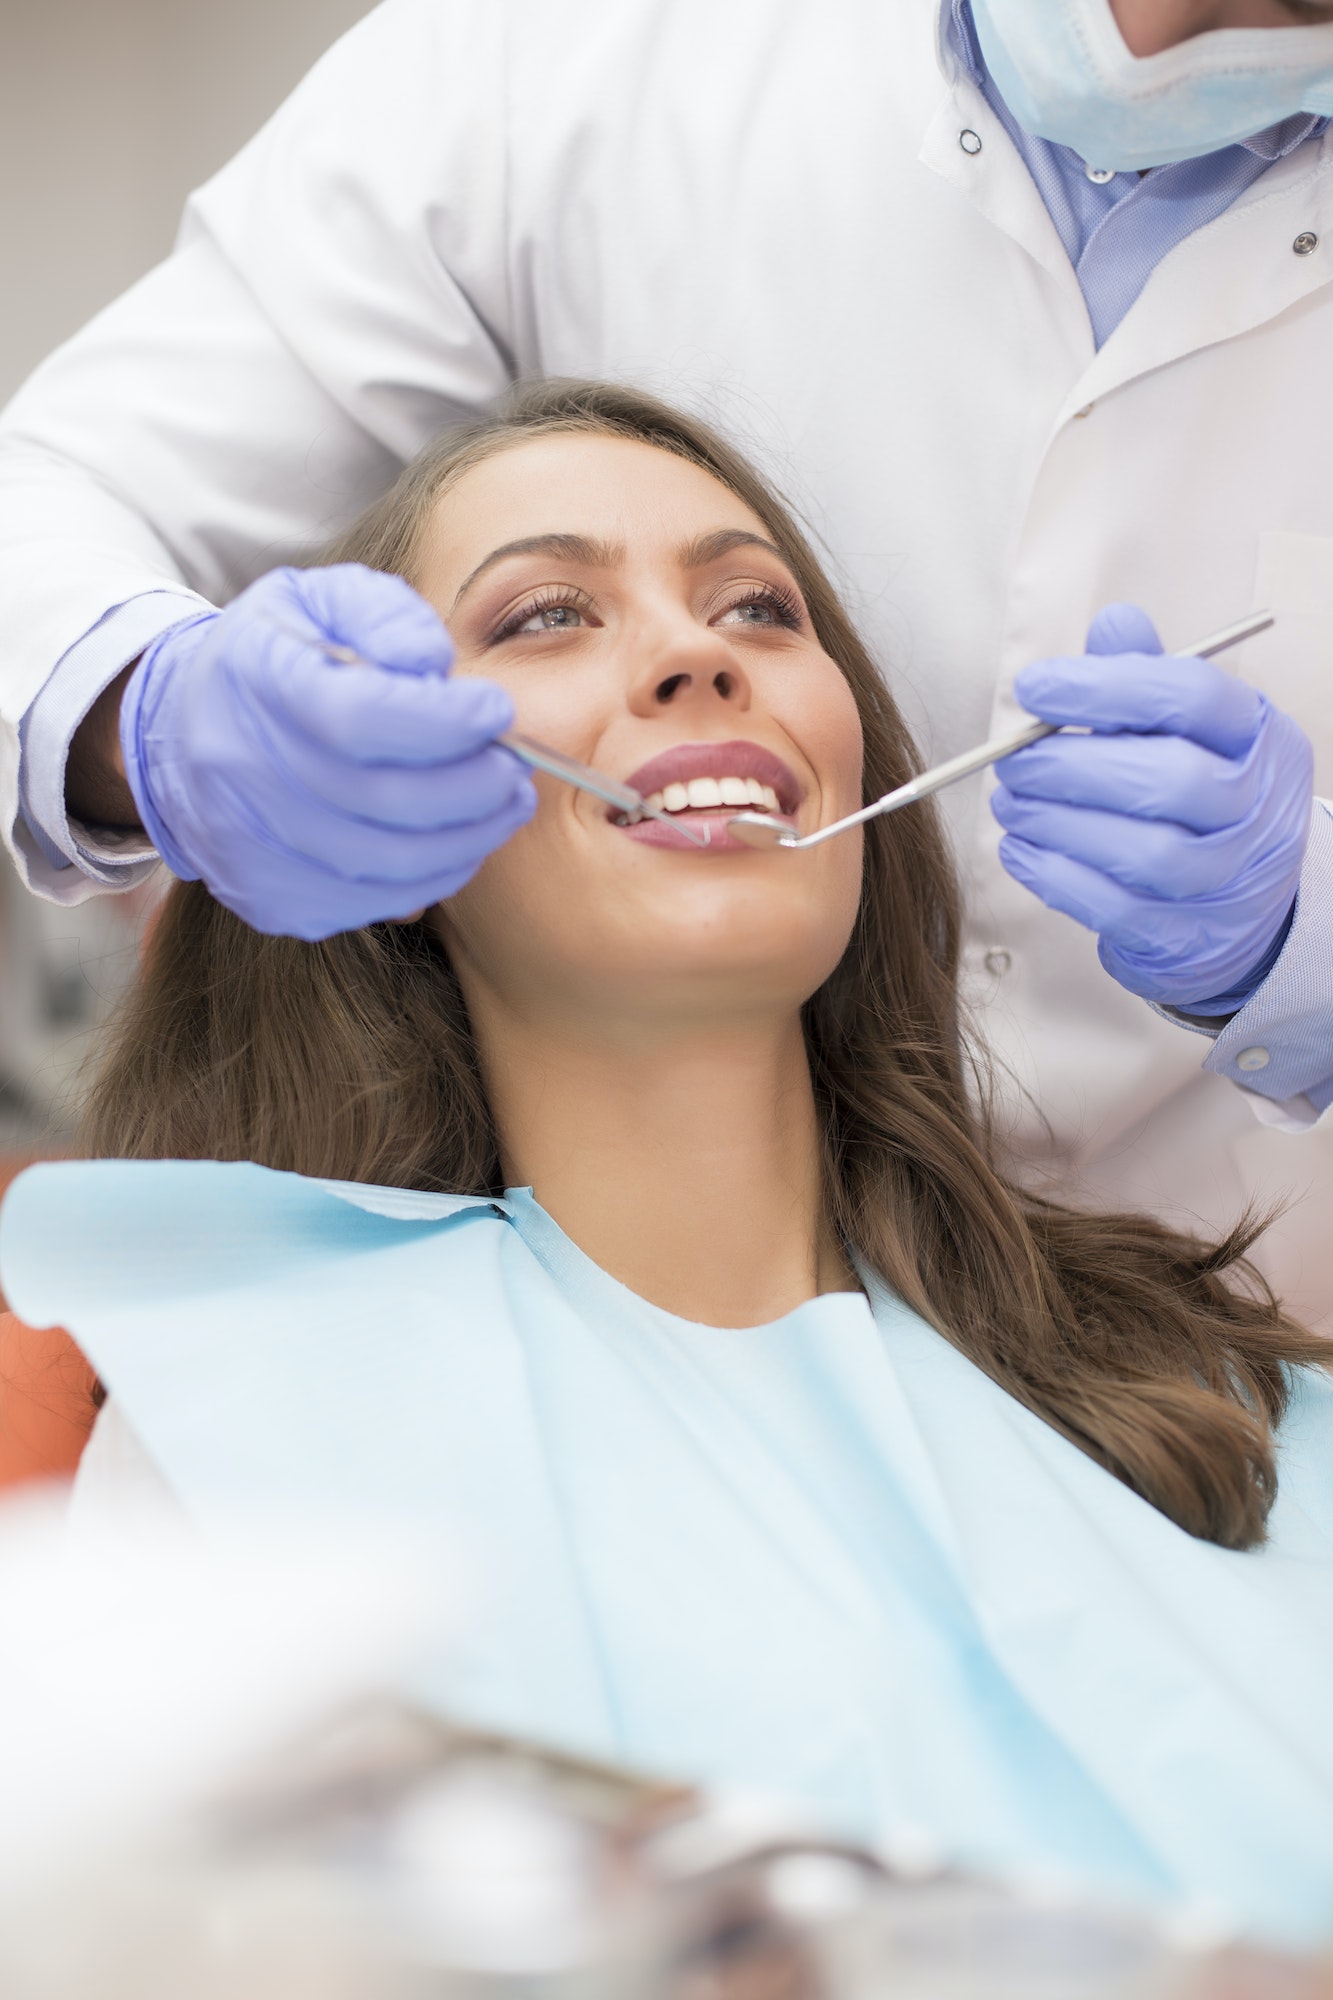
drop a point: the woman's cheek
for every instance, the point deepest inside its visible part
(561, 707)
(495, 893)
(834, 746)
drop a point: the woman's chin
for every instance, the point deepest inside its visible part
(629, 929)
(744, 970)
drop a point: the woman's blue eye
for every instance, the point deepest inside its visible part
(766, 608)
(552, 618)
(555, 610)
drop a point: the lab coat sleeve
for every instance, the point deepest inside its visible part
(338, 295)
(1279, 1047)
(84, 858)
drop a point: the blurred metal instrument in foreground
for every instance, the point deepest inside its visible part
(388, 1856)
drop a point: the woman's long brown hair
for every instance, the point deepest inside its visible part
(1163, 1357)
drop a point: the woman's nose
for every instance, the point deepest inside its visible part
(694, 669)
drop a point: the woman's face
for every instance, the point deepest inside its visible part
(643, 622)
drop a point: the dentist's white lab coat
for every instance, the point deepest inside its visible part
(766, 210)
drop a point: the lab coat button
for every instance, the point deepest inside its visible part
(970, 141)
(1099, 176)
(1306, 243)
(1252, 1059)
(997, 963)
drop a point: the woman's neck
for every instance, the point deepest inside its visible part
(686, 1165)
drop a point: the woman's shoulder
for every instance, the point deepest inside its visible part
(229, 1308)
(74, 1232)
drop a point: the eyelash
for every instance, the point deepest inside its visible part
(545, 600)
(778, 599)
(784, 603)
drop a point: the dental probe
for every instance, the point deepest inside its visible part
(542, 757)
(765, 830)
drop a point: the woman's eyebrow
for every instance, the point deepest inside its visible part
(569, 548)
(702, 550)
(709, 548)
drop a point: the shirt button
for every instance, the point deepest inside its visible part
(970, 141)
(1252, 1059)
(1306, 243)
(997, 963)
(1099, 176)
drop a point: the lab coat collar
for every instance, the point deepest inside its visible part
(1004, 192)
(951, 56)
(1183, 309)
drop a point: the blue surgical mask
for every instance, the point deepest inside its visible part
(1064, 71)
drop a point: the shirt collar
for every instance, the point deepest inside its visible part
(962, 35)
(1274, 144)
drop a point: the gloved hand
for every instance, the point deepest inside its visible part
(313, 798)
(1176, 830)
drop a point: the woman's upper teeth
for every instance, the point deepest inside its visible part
(715, 792)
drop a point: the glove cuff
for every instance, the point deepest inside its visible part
(138, 709)
(1219, 1010)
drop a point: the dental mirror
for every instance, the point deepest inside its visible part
(765, 830)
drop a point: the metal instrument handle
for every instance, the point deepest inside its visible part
(556, 765)
(955, 768)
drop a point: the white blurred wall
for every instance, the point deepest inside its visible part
(110, 112)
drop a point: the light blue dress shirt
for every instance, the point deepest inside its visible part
(826, 1557)
(1115, 232)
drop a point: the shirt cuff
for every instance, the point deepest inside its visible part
(118, 859)
(1279, 1046)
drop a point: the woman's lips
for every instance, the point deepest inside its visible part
(721, 839)
(719, 760)
(669, 776)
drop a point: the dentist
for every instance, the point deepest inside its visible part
(1030, 301)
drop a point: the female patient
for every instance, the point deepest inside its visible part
(797, 1446)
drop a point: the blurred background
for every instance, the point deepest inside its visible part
(110, 112)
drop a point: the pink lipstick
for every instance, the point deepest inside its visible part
(706, 784)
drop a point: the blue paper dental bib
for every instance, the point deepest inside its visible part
(826, 1557)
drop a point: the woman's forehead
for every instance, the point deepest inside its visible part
(608, 490)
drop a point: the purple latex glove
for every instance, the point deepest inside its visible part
(313, 798)
(1176, 830)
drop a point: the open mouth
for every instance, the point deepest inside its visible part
(704, 784)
